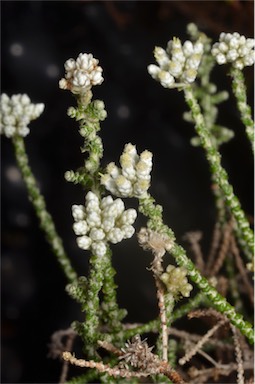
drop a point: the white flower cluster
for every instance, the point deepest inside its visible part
(178, 64)
(99, 222)
(234, 48)
(176, 281)
(81, 74)
(17, 112)
(133, 178)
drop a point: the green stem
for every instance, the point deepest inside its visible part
(239, 90)
(219, 302)
(112, 314)
(92, 304)
(172, 352)
(221, 176)
(45, 219)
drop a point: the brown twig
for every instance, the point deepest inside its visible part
(213, 248)
(138, 354)
(57, 347)
(243, 271)
(65, 367)
(193, 351)
(202, 375)
(194, 238)
(195, 338)
(157, 244)
(206, 312)
(223, 249)
(239, 357)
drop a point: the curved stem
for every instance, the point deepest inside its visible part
(239, 90)
(221, 176)
(45, 219)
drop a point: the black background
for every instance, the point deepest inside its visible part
(37, 38)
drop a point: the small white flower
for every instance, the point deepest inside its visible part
(115, 235)
(97, 234)
(17, 112)
(188, 48)
(153, 70)
(99, 248)
(81, 74)
(78, 212)
(133, 178)
(166, 79)
(234, 48)
(128, 231)
(80, 228)
(109, 223)
(84, 242)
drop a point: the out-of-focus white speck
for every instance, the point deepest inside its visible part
(13, 174)
(123, 111)
(52, 71)
(16, 49)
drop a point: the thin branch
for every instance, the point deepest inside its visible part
(214, 246)
(195, 338)
(223, 248)
(65, 367)
(243, 271)
(239, 357)
(45, 219)
(202, 375)
(200, 344)
(194, 238)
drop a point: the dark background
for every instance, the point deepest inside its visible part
(37, 38)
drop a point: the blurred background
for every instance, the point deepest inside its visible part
(37, 38)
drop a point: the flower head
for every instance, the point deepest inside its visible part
(178, 64)
(176, 281)
(81, 74)
(17, 112)
(99, 222)
(234, 48)
(133, 178)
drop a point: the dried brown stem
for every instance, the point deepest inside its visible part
(160, 367)
(157, 244)
(206, 312)
(239, 357)
(65, 367)
(110, 347)
(194, 238)
(195, 338)
(243, 271)
(201, 342)
(57, 347)
(223, 249)
(202, 375)
(213, 248)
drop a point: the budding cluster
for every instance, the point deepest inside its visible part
(17, 112)
(178, 64)
(81, 74)
(234, 48)
(99, 222)
(133, 178)
(176, 281)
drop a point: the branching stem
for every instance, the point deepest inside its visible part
(45, 219)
